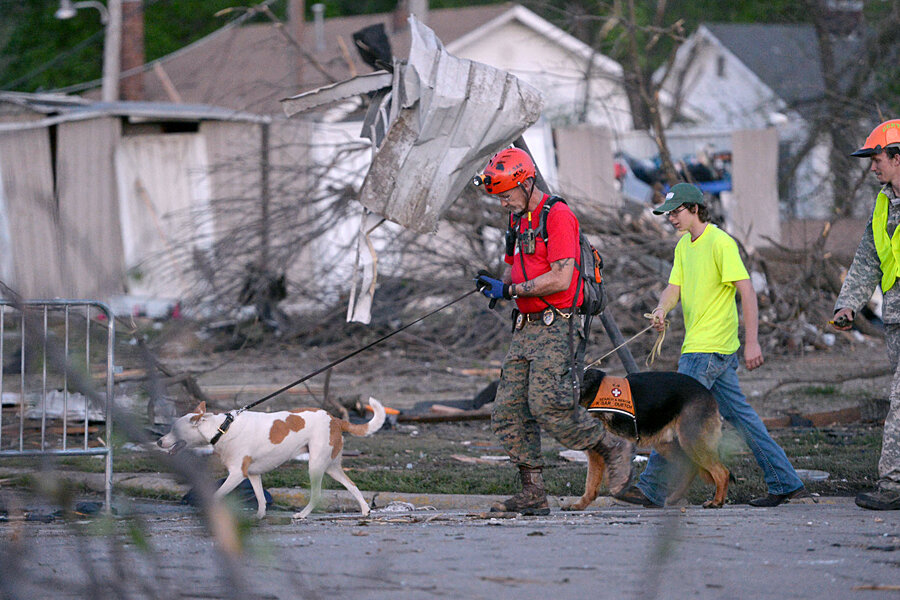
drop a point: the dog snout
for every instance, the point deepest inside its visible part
(177, 447)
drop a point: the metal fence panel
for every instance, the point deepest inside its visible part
(57, 361)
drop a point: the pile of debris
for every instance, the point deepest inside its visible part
(795, 289)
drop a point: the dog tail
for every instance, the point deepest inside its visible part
(374, 424)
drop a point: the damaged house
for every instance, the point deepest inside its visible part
(201, 153)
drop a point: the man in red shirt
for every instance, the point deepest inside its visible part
(535, 388)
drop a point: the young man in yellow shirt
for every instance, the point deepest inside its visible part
(706, 272)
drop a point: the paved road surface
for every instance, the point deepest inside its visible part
(827, 550)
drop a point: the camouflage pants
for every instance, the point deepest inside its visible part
(536, 392)
(889, 464)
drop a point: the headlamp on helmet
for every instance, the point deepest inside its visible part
(507, 169)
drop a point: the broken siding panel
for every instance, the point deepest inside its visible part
(585, 166)
(164, 209)
(233, 163)
(32, 212)
(91, 236)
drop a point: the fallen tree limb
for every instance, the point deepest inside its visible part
(869, 374)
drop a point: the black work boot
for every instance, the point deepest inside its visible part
(617, 453)
(777, 499)
(880, 499)
(532, 500)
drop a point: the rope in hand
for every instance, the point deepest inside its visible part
(654, 352)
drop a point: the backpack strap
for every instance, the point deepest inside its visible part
(511, 231)
(545, 211)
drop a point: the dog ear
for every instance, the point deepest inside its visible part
(198, 413)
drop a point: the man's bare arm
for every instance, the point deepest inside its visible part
(557, 279)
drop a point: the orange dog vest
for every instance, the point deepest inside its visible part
(614, 395)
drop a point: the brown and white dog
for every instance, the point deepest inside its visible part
(257, 442)
(677, 416)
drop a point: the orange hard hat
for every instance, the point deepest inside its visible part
(507, 169)
(885, 135)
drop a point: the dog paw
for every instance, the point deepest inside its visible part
(712, 504)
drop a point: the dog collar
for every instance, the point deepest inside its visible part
(229, 418)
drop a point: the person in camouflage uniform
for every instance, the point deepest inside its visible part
(536, 389)
(877, 262)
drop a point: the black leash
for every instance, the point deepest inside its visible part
(343, 358)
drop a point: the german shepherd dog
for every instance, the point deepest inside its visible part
(677, 416)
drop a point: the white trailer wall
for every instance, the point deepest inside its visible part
(32, 213)
(90, 237)
(164, 199)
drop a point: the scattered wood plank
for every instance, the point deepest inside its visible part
(821, 419)
(469, 415)
(443, 409)
(493, 372)
(475, 460)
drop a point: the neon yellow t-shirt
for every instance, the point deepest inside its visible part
(706, 270)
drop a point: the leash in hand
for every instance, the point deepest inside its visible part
(654, 352)
(842, 322)
(350, 355)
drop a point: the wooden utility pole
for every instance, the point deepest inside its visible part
(112, 49)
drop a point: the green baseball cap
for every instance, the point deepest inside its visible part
(680, 193)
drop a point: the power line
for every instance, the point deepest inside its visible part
(64, 54)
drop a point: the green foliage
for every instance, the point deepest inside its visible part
(137, 534)
(585, 18)
(39, 52)
(173, 24)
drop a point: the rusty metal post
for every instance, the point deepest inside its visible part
(539, 180)
(615, 336)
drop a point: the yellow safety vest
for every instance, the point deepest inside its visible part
(888, 248)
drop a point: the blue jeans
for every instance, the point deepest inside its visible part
(718, 372)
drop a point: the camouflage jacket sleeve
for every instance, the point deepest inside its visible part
(864, 274)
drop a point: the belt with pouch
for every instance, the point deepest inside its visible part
(546, 317)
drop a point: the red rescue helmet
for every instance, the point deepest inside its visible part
(507, 169)
(885, 135)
